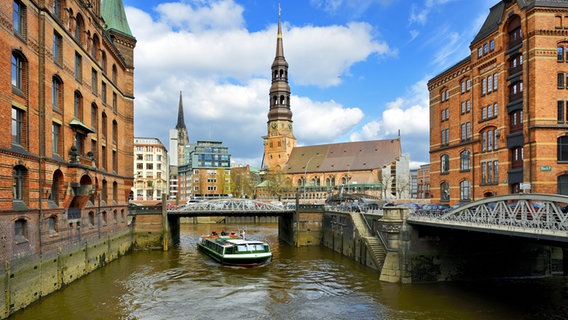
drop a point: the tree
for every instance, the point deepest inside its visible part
(243, 183)
(279, 183)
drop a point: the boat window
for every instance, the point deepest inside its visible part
(242, 248)
(258, 247)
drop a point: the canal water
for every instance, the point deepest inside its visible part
(299, 283)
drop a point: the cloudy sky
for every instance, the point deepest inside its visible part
(358, 68)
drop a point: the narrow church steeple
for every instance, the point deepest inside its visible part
(180, 122)
(182, 134)
(280, 140)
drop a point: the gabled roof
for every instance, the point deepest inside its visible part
(347, 156)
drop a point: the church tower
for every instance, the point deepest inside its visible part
(179, 138)
(280, 140)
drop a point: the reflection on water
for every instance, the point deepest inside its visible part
(299, 283)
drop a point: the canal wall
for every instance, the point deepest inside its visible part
(304, 227)
(340, 235)
(419, 254)
(26, 280)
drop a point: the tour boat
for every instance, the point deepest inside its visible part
(233, 250)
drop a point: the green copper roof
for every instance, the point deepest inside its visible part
(115, 17)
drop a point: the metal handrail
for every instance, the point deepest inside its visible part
(383, 242)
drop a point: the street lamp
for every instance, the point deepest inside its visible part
(306, 171)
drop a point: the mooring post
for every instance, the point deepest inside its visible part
(165, 225)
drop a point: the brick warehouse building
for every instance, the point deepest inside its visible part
(67, 90)
(499, 118)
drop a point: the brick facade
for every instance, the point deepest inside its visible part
(64, 187)
(496, 120)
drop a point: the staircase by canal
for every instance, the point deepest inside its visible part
(374, 246)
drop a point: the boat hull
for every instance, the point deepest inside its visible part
(241, 259)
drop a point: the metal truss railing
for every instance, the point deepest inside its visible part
(526, 211)
(229, 205)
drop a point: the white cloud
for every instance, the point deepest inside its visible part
(317, 122)
(319, 60)
(408, 115)
(220, 15)
(223, 71)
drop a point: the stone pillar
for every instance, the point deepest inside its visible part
(394, 232)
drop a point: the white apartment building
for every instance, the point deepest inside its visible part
(150, 169)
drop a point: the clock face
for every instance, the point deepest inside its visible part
(274, 126)
(290, 126)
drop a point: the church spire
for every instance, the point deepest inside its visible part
(280, 90)
(280, 140)
(180, 123)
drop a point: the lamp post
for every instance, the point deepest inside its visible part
(306, 172)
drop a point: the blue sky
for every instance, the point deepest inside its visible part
(358, 68)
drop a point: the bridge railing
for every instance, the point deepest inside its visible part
(532, 211)
(230, 205)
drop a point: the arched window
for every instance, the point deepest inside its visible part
(19, 183)
(300, 182)
(444, 163)
(465, 190)
(19, 70)
(514, 31)
(103, 61)
(104, 191)
(562, 143)
(104, 125)
(56, 186)
(79, 28)
(19, 19)
(444, 192)
(115, 192)
(563, 184)
(95, 47)
(489, 140)
(78, 105)
(19, 127)
(56, 9)
(464, 160)
(114, 131)
(57, 93)
(94, 116)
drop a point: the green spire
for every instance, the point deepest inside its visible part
(115, 17)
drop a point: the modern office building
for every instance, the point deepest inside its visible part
(206, 173)
(499, 117)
